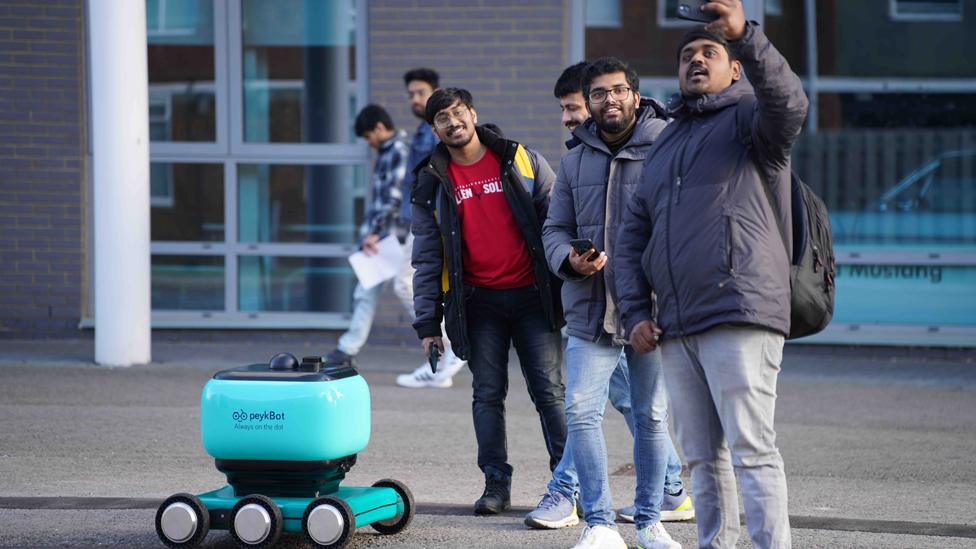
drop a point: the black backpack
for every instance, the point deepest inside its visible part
(812, 267)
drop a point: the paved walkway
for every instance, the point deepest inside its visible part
(880, 448)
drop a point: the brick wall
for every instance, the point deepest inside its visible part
(42, 167)
(508, 53)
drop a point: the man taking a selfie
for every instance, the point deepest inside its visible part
(702, 234)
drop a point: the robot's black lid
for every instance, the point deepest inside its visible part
(285, 367)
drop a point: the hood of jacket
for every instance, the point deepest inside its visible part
(680, 106)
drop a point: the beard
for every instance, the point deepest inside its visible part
(621, 123)
(456, 143)
(459, 144)
(418, 111)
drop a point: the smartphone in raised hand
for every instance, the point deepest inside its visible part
(692, 11)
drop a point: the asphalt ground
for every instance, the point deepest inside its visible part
(880, 448)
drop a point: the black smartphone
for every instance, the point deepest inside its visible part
(692, 11)
(584, 245)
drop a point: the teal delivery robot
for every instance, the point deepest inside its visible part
(285, 434)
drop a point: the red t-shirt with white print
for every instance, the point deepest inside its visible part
(494, 253)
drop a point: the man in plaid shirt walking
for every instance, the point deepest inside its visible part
(375, 126)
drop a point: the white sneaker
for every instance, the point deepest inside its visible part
(655, 537)
(423, 377)
(600, 537)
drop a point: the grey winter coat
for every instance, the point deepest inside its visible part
(701, 232)
(591, 191)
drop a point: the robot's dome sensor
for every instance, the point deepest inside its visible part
(283, 361)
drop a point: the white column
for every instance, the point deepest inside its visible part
(120, 146)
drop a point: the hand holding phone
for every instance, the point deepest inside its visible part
(691, 10)
(586, 259)
(583, 246)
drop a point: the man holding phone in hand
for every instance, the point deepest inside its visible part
(595, 181)
(702, 233)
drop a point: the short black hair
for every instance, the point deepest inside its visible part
(569, 80)
(423, 74)
(608, 65)
(442, 99)
(699, 33)
(369, 117)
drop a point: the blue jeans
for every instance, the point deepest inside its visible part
(620, 399)
(589, 367)
(496, 320)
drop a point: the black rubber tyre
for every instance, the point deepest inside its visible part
(348, 520)
(202, 515)
(274, 512)
(398, 523)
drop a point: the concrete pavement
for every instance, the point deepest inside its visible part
(879, 447)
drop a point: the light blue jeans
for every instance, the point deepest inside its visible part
(620, 399)
(589, 367)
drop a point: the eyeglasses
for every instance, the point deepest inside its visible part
(600, 95)
(443, 120)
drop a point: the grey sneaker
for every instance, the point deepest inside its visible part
(677, 507)
(554, 511)
(627, 513)
(673, 508)
(654, 536)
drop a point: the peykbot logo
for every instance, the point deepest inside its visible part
(242, 415)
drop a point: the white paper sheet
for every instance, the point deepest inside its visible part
(376, 269)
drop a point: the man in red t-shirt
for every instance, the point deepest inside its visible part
(478, 208)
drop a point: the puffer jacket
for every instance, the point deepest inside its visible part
(592, 188)
(701, 232)
(438, 284)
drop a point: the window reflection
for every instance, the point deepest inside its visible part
(295, 284)
(182, 105)
(298, 63)
(187, 201)
(297, 203)
(187, 282)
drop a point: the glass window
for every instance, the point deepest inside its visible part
(855, 40)
(187, 282)
(182, 105)
(187, 201)
(298, 65)
(927, 10)
(929, 295)
(603, 14)
(297, 203)
(295, 284)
